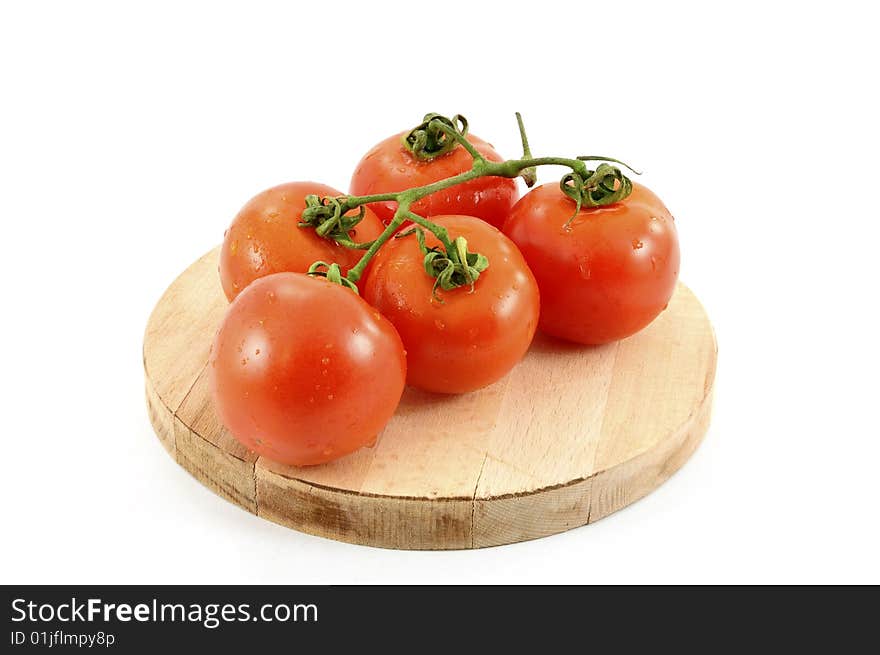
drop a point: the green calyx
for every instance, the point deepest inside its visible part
(452, 266)
(328, 216)
(435, 136)
(333, 274)
(603, 186)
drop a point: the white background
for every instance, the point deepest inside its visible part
(131, 136)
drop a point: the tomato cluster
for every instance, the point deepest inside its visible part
(305, 370)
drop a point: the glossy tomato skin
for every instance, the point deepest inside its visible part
(264, 237)
(605, 276)
(389, 167)
(303, 371)
(472, 338)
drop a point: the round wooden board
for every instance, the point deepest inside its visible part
(571, 435)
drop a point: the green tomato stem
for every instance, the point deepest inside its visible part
(482, 168)
(452, 133)
(356, 271)
(585, 187)
(529, 175)
(438, 230)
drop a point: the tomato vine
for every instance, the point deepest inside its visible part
(453, 265)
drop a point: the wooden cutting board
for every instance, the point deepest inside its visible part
(571, 435)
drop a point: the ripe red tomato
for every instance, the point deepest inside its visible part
(264, 237)
(389, 167)
(303, 371)
(473, 337)
(608, 273)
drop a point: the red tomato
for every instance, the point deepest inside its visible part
(390, 167)
(264, 238)
(471, 338)
(607, 274)
(303, 371)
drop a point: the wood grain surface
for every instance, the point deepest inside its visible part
(571, 435)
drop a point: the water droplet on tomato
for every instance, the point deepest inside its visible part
(327, 452)
(653, 263)
(325, 360)
(584, 267)
(440, 325)
(329, 396)
(637, 244)
(244, 361)
(257, 351)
